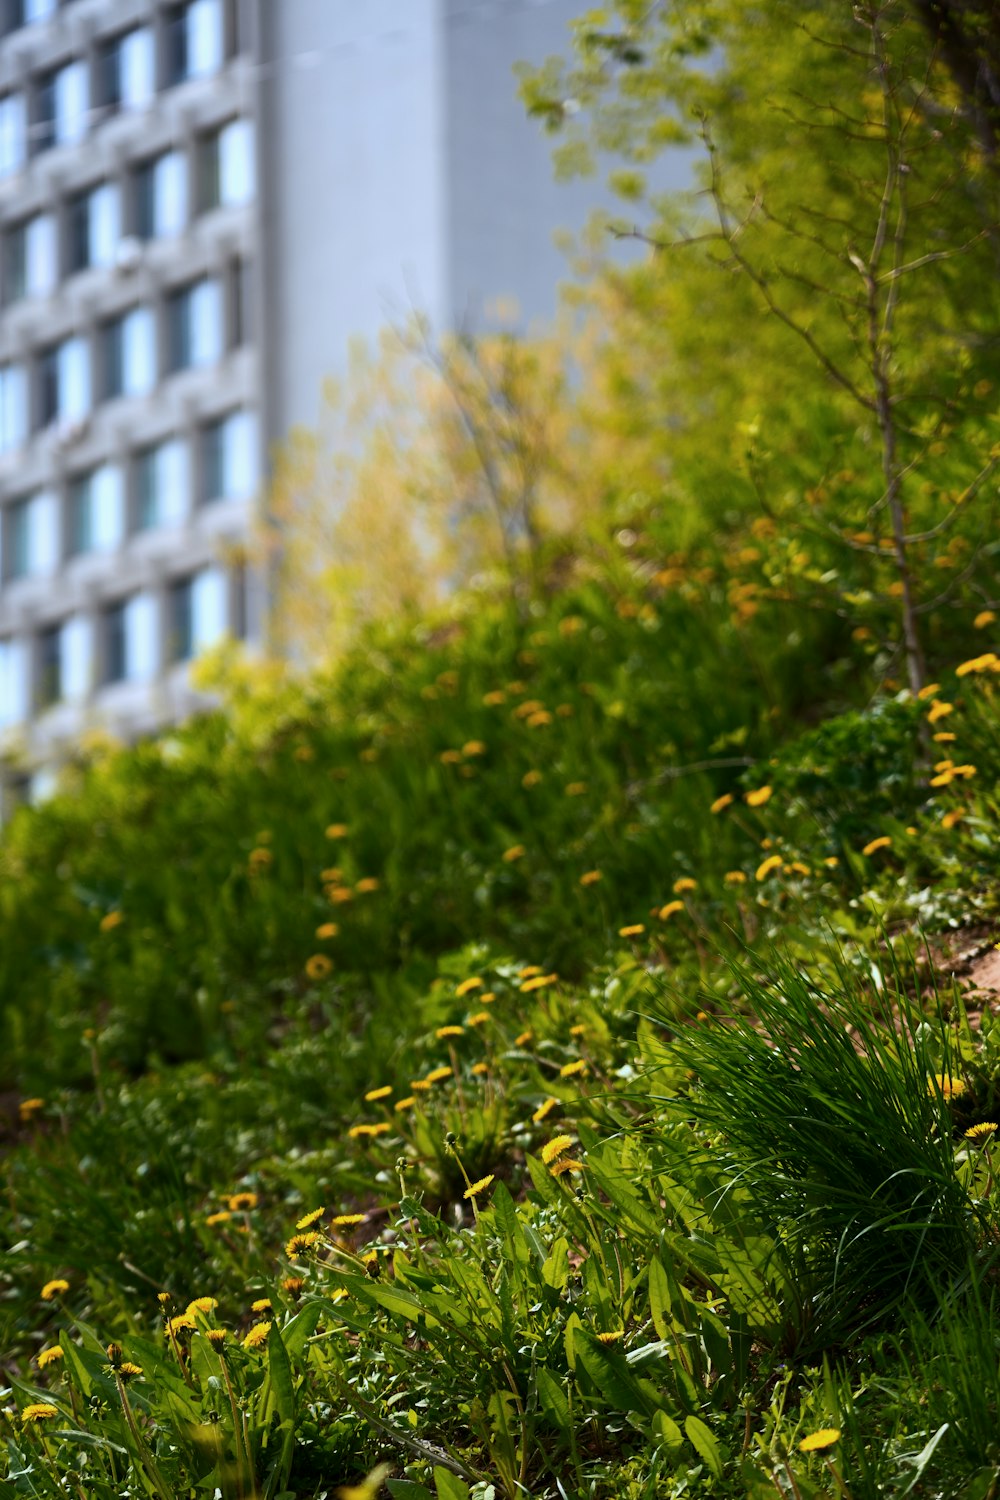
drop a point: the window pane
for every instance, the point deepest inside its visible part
(71, 103)
(13, 682)
(174, 483)
(180, 620)
(108, 501)
(113, 626)
(209, 613)
(43, 542)
(73, 379)
(236, 176)
(81, 524)
(13, 407)
(12, 133)
(170, 194)
(136, 81)
(204, 38)
(141, 638)
(15, 263)
(138, 352)
(104, 225)
(40, 255)
(205, 315)
(76, 653)
(49, 684)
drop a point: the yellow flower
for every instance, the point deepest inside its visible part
(222, 1217)
(939, 710)
(685, 883)
(565, 1164)
(257, 1337)
(570, 1069)
(242, 1202)
(183, 1323)
(337, 831)
(474, 747)
(327, 930)
(475, 983)
(539, 720)
(611, 1338)
(216, 1337)
(478, 1187)
(450, 757)
(319, 966)
(406, 1103)
(446, 1031)
(480, 1070)
(50, 1356)
(944, 779)
(529, 971)
(875, 844)
(373, 1095)
(311, 1218)
(201, 1305)
(347, 1221)
(965, 771)
(768, 866)
(758, 797)
(544, 1110)
(262, 1305)
(479, 1019)
(985, 617)
(558, 1146)
(495, 698)
(831, 862)
(299, 1243)
(975, 1133)
(339, 894)
(943, 737)
(929, 690)
(538, 982)
(721, 803)
(951, 818)
(367, 884)
(590, 877)
(438, 1075)
(523, 1038)
(356, 1132)
(635, 929)
(488, 998)
(334, 873)
(825, 1438)
(976, 664)
(666, 912)
(129, 1371)
(735, 877)
(531, 778)
(112, 920)
(948, 1087)
(39, 1411)
(292, 1285)
(53, 1289)
(516, 851)
(576, 789)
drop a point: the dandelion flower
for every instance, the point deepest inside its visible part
(337, 831)
(530, 779)
(768, 866)
(300, 1243)
(670, 910)
(571, 1069)
(529, 971)
(721, 803)
(480, 1069)
(263, 1304)
(222, 1217)
(373, 1095)
(129, 1371)
(635, 929)
(614, 1337)
(565, 1164)
(183, 1323)
(474, 747)
(327, 930)
(292, 1285)
(50, 1356)
(939, 710)
(438, 1075)
(590, 877)
(446, 1031)
(948, 1087)
(944, 778)
(112, 920)
(975, 1133)
(576, 789)
(558, 1146)
(479, 1019)
(977, 664)
(685, 883)
(880, 843)
(523, 1039)
(951, 818)
(944, 737)
(216, 1337)
(817, 1441)
(257, 1336)
(318, 966)
(201, 1305)
(347, 1221)
(403, 1104)
(28, 1108)
(367, 884)
(357, 1132)
(39, 1411)
(476, 1188)
(985, 617)
(494, 698)
(475, 983)
(515, 852)
(735, 877)
(243, 1202)
(544, 1110)
(758, 797)
(538, 982)
(308, 1220)
(53, 1289)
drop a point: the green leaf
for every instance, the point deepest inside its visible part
(553, 1397)
(666, 1430)
(407, 1489)
(555, 1272)
(280, 1371)
(611, 1376)
(703, 1442)
(660, 1297)
(297, 1332)
(448, 1485)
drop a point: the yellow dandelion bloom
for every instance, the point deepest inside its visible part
(450, 757)
(479, 1019)
(565, 1164)
(257, 1336)
(523, 1038)
(494, 698)
(327, 930)
(685, 883)
(50, 1356)
(242, 1202)
(39, 1411)
(292, 1285)
(28, 1108)
(201, 1305)
(373, 1095)
(590, 877)
(951, 818)
(977, 664)
(488, 998)
(768, 866)
(538, 982)
(515, 852)
(127, 1370)
(948, 1087)
(53, 1289)
(367, 884)
(263, 1304)
(216, 1337)
(402, 1104)
(163, 1298)
(480, 1069)
(446, 1031)
(939, 710)
(529, 971)
(539, 720)
(795, 868)
(530, 779)
(360, 1132)
(111, 920)
(944, 737)
(875, 844)
(816, 1441)
(576, 789)
(318, 966)
(300, 1243)
(929, 690)
(721, 803)
(634, 929)
(558, 1146)
(758, 797)
(474, 747)
(222, 1217)
(182, 1323)
(571, 1069)
(614, 1337)
(476, 1188)
(944, 779)
(438, 1075)
(735, 877)
(544, 1110)
(333, 874)
(312, 1217)
(337, 831)
(578, 1031)
(340, 894)
(965, 771)
(347, 1221)
(475, 983)
(420, 1084)
(985, 617)
(974, 1133)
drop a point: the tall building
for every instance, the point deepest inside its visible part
(201, 203)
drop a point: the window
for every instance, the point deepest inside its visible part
(126, 71)
(93, 228)
(24, 12)
(48, 687)
(33, 544)
(162, 485)
(64, 384)
(12, 134)
(14, 703)
(226, 167)
(161, 196)
(76, 659)
(229, 459)
(97, 511)
(198, 613)
(129, 350)
(30, 258)
(130, 637)
(61, 107)
(13, 407)
(194, 323)
(193, 40)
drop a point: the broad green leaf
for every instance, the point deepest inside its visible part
(611, 1376)
(555, 1272)
(666, 1430)
(660, 1297)
(703, 1442)
(553, 1397)
(280, 1371)
(448, 1485)
(407, 1489)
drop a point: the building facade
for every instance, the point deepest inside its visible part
(201, 203)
